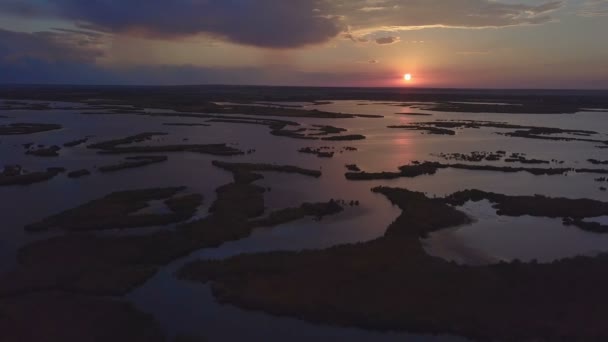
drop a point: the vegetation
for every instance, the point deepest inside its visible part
(134, 162)
(394, 284)
(117, 210)
(15, 175)
(27, 128)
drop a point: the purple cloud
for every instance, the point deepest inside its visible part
(264, 23)
(278, 23)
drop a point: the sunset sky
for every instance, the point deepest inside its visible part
(441, 43)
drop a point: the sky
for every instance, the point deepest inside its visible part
(440, 43)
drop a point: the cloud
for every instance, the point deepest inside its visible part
(59, 56)
(355, 39)
(264, 23)
(278, 23)
(473, 53)
(397, 15)
(387, 40)
(49, 46)
(594, 8)
(369, 61)
(42, 58)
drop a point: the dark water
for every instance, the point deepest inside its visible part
(190, 308)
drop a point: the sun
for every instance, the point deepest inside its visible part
(407, 77)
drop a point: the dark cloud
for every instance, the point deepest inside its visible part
(50, 46)
(281, 23)
(59, 57)
(42, 58)
(387, 40)
(50, 57)
(264, 23)
(355, 39)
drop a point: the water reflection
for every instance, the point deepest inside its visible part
(493, 238)
(183, 307)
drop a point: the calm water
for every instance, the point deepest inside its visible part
(190, 308)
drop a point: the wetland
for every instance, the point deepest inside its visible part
(187, 214)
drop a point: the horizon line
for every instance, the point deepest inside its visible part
(295, 86)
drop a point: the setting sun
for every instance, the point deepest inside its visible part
(407, 77)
